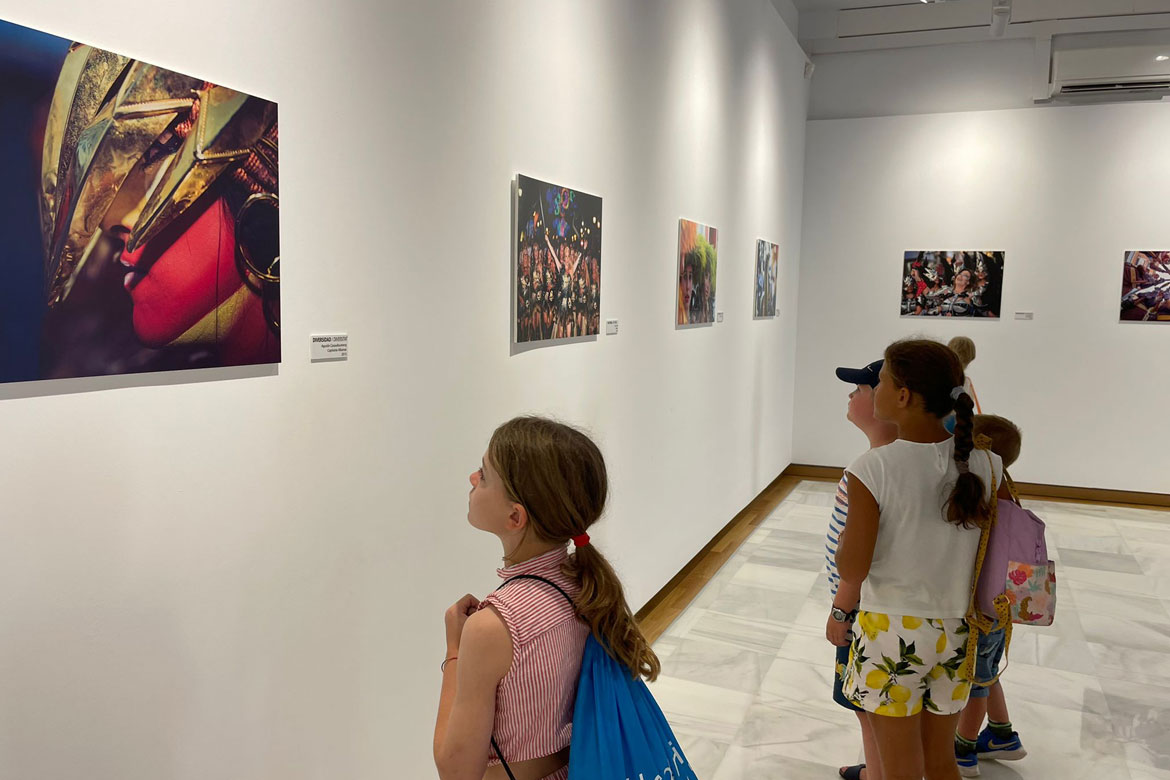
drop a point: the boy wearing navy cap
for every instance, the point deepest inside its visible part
(846, 596)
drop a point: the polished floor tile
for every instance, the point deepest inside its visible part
(747, 671)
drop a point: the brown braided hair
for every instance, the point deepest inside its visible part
(931, 370)
(558, 475)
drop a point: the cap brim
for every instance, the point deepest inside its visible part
(854, 376)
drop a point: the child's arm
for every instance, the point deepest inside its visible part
(467, 703)
(855, 550)
(848, 594)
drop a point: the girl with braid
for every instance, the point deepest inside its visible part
(513, 658)
(910, 541)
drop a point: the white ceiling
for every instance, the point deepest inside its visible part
(826, 26)
(837, 5)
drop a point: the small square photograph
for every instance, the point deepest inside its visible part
(1145, 287)
(697, 267)
(558, 262)
(952, 284)
(767, 267)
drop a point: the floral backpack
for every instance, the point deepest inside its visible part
(1014, 580)
(1017, 565)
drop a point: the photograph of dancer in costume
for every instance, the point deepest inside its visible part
(697, 268)
(558, 262)
(157, 244)
(767, 267)
(1145, 287)
(951, 284)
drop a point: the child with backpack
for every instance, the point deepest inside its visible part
(556, 638)
(998, 740)
(910, 541)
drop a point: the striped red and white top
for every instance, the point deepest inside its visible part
(534, 700)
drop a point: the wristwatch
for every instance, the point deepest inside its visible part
(841, 616)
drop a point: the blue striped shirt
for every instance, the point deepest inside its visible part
(836, 526)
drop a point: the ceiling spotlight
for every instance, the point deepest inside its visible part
(1162, 58)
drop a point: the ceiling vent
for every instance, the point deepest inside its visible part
(1111, 73)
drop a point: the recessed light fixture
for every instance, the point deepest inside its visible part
(1162, 58)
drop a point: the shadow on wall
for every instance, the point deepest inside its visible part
(71, 386)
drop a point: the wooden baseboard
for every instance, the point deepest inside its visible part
(1027, 489)
(1094, 495)
(814, 472)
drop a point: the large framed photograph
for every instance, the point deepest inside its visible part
(1145, 287)
(952, 284)
(698, 265)
(139, 209)
(558, 262)
(767, 268)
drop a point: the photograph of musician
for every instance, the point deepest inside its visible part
(698, 265)
(767, 268)
(951, 284)
(1145, 287)
(558, 262)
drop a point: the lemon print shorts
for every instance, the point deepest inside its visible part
(901, 665)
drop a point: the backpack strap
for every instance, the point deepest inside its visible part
(503, 763)
(977, 622)
(572, 604)
(560, 590)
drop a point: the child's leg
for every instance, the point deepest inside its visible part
(873, 761)
(938, 746)
(971, 718)
(997, 705)
(899, 742)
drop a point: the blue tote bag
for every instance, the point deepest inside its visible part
(619, 732)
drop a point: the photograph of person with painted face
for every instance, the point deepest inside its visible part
(767, 267)
(697, 266)
(952, 284)
(140, 210)
(558, 262)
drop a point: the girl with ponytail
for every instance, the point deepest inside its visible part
(910, 541)
(513, 658)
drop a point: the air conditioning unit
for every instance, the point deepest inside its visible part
(1111, 73)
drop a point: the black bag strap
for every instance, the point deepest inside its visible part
(572, 604)
(503, 763)
(560, 590)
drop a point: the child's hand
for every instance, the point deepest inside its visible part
(454, 619)
(838, 634)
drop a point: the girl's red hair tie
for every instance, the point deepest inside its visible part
(581, 541)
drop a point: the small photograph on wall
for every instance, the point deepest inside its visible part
(1145, 287)
(767, 267)
(952, 284)
(697, 267)
(139, 211)
(558, 262)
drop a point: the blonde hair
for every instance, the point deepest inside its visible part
(964, 348)
(558, 475)
(1004, 435)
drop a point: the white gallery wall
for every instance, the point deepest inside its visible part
(242, 573)
(1064, 192)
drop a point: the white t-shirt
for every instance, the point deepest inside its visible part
(922, 564)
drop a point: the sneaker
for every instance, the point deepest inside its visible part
(968, 763)
(990, 746)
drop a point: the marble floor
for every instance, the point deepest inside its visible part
(746, 669)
